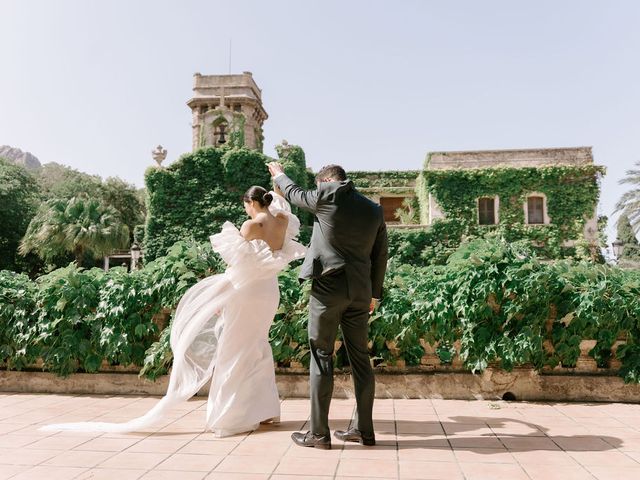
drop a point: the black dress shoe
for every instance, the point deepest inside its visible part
(309, 439)
(355, 435)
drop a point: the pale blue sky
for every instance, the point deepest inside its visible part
(368, 84)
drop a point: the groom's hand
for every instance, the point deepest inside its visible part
(275, 168)
(373, 305)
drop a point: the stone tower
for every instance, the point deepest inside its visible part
(227, 109)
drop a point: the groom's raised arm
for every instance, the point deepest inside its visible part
(306, 199)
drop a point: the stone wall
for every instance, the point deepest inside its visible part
(535, 157)
(539, 157)
(521, 384)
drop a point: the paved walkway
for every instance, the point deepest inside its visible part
(417, 439)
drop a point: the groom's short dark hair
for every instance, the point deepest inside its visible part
(331, 171)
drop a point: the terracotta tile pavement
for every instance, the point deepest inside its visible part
(417, 439)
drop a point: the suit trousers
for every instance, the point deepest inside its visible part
(332, 305)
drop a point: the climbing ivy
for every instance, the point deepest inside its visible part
(294, 163)
(395, 180)
(194, 196)
(236, 136)
(257, 131)
(571, 191)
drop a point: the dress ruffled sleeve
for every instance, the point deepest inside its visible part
(291, 249)
(251, 260)
(230, 244)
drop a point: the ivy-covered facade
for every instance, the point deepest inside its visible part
(395, 191)
(546, 196)
(194, 196)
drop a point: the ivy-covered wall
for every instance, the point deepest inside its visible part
(572, 195)
(385, 181)
(380, 184)
(294, 163)
(194, 196)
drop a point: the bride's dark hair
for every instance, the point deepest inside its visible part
(258, 194)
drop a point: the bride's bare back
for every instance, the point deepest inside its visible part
(270, 228)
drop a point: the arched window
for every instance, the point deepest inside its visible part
(220, 131)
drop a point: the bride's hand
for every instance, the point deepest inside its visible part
(277, 190)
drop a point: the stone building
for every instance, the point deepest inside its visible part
(535, 205)
(397, 191)
(227, 109)
(389, 189)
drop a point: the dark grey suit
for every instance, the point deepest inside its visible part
(346, 260)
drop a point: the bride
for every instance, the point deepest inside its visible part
(220, 329)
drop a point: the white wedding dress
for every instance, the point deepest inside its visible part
(220, 333)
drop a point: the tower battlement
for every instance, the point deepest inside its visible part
(226, 104)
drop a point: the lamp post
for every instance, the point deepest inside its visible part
(135, 256)
(617, 247)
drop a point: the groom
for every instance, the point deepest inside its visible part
(346, 260)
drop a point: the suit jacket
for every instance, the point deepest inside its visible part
(349, 233)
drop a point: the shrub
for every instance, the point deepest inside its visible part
(18, 325)
(502, 304)
(66, 304)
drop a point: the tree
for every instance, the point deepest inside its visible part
(629, 204)
(19, 197)
(62, 182)
(81, 225)
(631, 246)
(126, 199)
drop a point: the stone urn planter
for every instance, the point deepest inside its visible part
(614, 361)
(430, 358)
(400, 363)
(586, 363)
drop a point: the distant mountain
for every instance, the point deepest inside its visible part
(19, 157)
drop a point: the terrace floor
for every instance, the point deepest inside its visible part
(417, 439)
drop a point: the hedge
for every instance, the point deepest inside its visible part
(495, 299)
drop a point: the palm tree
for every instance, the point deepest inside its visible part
(629, 204)
(81, 226)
